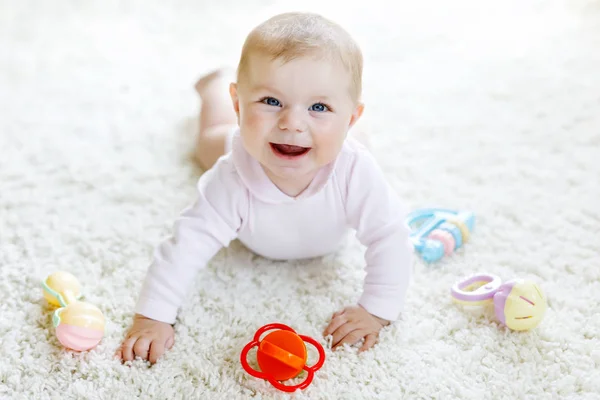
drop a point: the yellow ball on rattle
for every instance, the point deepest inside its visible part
(79, 325)
(520, 304)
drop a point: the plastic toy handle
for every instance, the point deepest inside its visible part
(282, 355)
(476, 289)
(321, 351)
(68, 297)
(244, 361)
(302, 385)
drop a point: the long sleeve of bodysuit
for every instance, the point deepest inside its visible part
(201, 230)
(376, 212)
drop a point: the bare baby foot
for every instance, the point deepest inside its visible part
(222, 76)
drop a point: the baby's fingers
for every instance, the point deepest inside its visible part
(157, 349)
(141, 347)
(335, 323)
(370, 340)
(125, 352)
(350, 338)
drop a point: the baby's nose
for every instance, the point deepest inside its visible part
(293, 120)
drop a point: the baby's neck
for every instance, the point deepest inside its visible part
(292, 188)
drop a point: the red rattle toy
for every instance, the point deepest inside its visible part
(282, 355)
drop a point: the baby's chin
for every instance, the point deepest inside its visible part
(291, 172)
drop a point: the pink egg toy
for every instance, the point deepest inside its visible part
(79, 325)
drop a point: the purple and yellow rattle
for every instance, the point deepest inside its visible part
(519, 304)
(79, 325)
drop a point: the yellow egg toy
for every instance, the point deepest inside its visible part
(520, 304)
(61, 284)
(79, 325)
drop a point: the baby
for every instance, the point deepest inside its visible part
(284, 178)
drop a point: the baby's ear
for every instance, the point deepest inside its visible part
(356, 114)
(234, 98)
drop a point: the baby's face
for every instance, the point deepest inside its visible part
(294, 116)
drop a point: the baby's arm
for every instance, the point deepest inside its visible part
(199, 233)
(377, 214)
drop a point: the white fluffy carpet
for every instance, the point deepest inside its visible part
(488, 106)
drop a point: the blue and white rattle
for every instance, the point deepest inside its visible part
(437, 231)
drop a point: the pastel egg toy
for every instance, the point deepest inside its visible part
(518, 304)
(79, 325)
(282, 355)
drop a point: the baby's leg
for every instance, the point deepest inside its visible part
(217, 117)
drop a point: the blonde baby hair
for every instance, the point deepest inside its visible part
(294, 35)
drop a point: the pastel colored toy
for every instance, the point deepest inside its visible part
(282, 355)
(79, 325)
(438, 231)
(519, 304)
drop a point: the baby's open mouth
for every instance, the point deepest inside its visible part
(289, 150)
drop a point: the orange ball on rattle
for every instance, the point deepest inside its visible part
(282, 355)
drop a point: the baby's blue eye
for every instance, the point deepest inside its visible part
(271, 101)
(319, 107)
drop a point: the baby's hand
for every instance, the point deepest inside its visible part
(147, 339)
(352, 324)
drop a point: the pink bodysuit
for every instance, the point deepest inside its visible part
(236, 199)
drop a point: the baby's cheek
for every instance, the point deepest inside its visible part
(254, 125)
(328, 147)
(252, 120)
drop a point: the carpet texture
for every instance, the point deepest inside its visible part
(492, 107)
